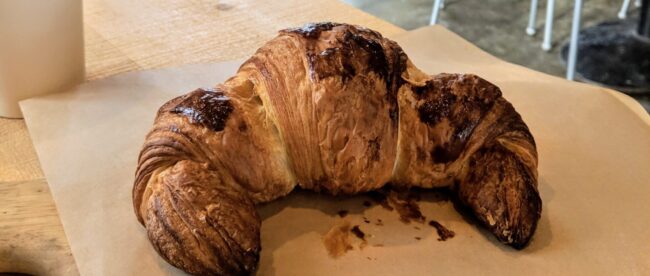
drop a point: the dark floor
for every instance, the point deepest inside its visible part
(498, 26)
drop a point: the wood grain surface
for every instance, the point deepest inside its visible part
(122, 36)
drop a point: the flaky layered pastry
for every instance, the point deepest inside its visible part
(334, 108)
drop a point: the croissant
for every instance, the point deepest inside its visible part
(332, 108)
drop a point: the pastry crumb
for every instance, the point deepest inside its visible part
(336, 240)
(357, 232)
(343, 213)
(443, 233)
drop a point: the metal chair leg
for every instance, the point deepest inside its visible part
(442, 5)
(622, 14)
(637, 3)
(530, 30)
(435, 12)
(548, 25)
(573, 46)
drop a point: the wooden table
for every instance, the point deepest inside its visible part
(121, 36)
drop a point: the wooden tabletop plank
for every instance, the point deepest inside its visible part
(31, 236)
(18, 161)
(122, 36)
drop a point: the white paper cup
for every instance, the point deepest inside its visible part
(41, 50)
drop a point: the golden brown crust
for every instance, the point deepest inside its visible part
(339, 140)
(467, 133)
(501, 191)
(200, 225)
(438, 126)
(330, 107)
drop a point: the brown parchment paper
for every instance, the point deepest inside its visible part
(594, 179)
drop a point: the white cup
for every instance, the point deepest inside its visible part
(41, 50)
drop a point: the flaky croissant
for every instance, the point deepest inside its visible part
(333, 108)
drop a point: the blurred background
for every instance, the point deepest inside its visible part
(499, 26)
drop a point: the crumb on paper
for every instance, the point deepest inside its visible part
(406, 205)
(443, 232)
(343, 213)
(405, 202)
(361, 235)
(336, 240)
(357, 232)
(379, 197)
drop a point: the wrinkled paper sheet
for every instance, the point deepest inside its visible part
(594, 179)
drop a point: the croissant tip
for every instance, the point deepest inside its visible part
(522, 236)
(521, 242)
(520, 245)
